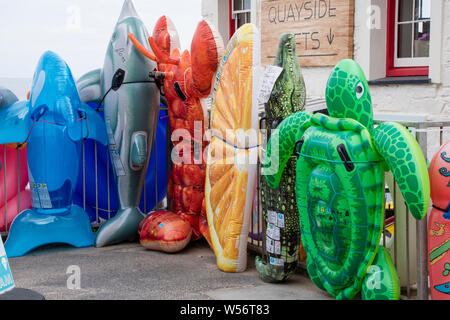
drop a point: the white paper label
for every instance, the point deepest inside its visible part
(40, 197)
(280, 220)
(273, 231)
(277, 247)
(271, 74)
(115, 156)
(270, 245)
(34, 196)
(44, 196)
(276, 262)
(272, 217)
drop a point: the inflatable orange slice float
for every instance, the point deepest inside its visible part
(232, 155)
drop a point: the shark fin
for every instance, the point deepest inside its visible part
(15, 123)
(7, 97)
(89, 87)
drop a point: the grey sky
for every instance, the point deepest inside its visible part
(77, 30)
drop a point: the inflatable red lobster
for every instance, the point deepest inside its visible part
(187, 79)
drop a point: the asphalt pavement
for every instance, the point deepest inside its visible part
(130, 272)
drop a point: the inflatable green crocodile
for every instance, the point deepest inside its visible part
(280, 212)
(340, 185)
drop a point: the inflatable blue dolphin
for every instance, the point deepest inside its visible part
(54, 123)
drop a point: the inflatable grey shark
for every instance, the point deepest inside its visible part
(131, 103)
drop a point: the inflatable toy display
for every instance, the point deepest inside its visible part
(165, 231)
(340, 185)
(53, 123)
(187, 78)
(131, 102)
(90, 193)
(280, 211)
(233, 152)
(439, 225)
(13, 174)
(15, 171)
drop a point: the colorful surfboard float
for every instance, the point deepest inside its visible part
(439, 225)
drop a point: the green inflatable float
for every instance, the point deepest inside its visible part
(280, 212)
(340, 185)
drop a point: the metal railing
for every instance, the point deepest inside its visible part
(410, 237)
(4, 168)
(98, 184)
(409, 244)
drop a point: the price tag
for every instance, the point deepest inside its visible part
(271, 74)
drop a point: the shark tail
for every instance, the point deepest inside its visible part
(123, 227)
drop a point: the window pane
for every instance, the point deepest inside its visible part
(247, 17)
(405, 10)
(422, 39)
(422, 10)
(247, 4)
(404, 44)
(240, 19)
(237, 5)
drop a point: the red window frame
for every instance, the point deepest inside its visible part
(391, 70)
(232, 28)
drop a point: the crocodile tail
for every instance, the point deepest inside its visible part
(281, 146)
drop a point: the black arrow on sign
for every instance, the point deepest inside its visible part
(330, 37)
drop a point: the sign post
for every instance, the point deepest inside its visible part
(6, 278)
(323, 29)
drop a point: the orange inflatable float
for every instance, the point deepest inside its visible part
(187, 78)
(439, 225)
(232, 156)
(13, 177)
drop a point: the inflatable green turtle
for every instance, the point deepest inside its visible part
(340, 185)
(280, 212)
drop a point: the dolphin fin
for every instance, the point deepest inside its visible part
(124, 226)
(89, 126)
(15, 123)
(89, 87)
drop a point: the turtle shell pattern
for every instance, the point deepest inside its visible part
(339, 187)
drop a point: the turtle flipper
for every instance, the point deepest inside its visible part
(381, 281)
(281, 146)
(404, 157)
